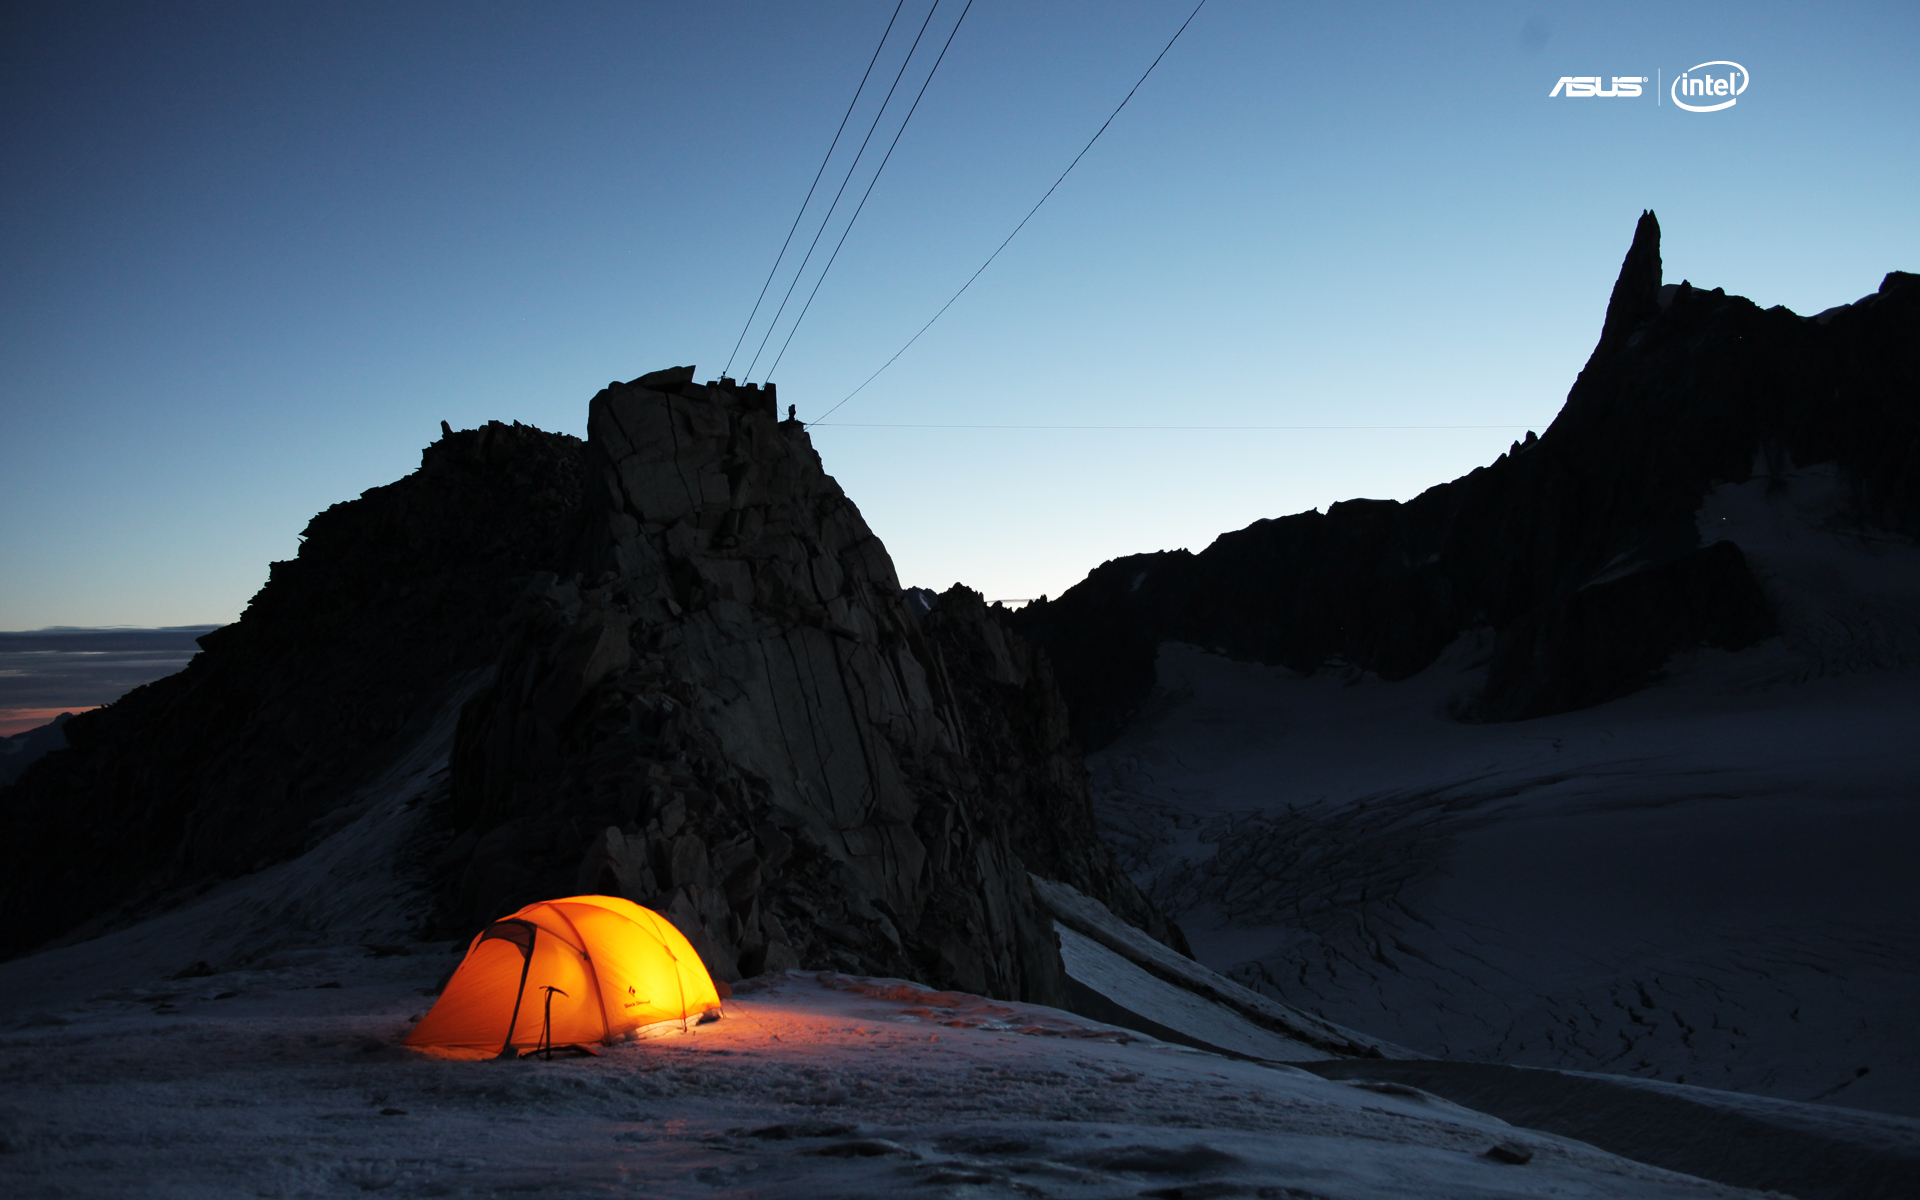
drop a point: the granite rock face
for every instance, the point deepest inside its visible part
(731, 713)
(1025, 765)
(1579, 549)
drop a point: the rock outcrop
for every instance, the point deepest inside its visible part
(1579, 548)
(692, 678)
(256, 750)
(735, 717)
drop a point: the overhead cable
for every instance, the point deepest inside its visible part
(816, 183)
(872, 425)
(1036, 208)
(845, 179)
(869, 191)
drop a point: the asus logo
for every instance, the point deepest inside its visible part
(1589, 85)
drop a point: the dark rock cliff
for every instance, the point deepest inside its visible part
(1028, 769)
(735, 718)
(1579, 548)
(692, 679)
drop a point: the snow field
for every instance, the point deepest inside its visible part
(272, 1083)
(1709, 882)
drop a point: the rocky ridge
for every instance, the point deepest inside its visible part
(1578, 549)
(257, 750)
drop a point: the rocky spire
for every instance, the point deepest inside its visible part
(1636, 294)
(1582, 551)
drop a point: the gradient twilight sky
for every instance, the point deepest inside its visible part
(254, 253)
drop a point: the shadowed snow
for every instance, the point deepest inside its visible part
(1708, 882)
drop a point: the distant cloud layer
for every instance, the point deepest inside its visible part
(46, 672)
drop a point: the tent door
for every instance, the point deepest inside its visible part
(520, 933)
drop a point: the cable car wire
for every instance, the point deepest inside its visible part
(846, 179)
(1036, 208)
(844, 117)
(869, 191)
(1209, 428)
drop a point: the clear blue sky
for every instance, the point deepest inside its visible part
(255, 252)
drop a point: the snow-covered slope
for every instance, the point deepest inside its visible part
(1168, 1011)
(358, 886)
(1705, 880)
(1808, 1151)
(127, 1069)
(1202, 1007)
(1709, 882)
(274, 1082)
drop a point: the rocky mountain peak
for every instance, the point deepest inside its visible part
(1579, 554)
(740, 722)
(684, 672)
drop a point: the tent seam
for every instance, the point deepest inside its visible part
(593, 970)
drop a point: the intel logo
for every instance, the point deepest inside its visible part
(1709, 87)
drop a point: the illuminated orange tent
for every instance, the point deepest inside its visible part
(566, 972)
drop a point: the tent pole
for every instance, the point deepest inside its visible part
(506, 1048)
